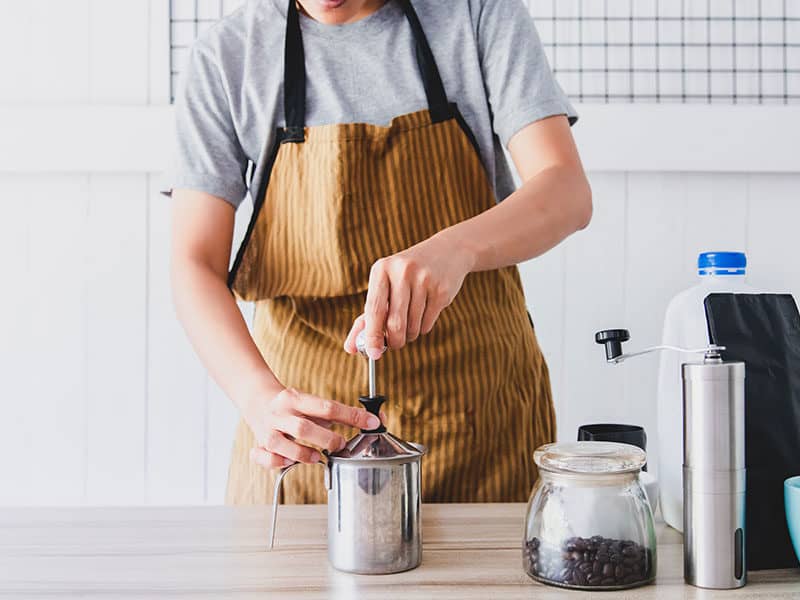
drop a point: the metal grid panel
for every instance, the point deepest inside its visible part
(188, 18)
(691, 51)
(701, 51)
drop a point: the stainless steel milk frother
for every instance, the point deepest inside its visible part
(373, 483)
(713, 463)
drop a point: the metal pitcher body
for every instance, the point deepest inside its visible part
(374, 515)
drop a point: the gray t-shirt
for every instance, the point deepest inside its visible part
(230, 101)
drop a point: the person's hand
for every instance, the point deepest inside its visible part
(408, 291)
(289, 426)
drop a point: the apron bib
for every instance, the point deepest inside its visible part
(335, 199)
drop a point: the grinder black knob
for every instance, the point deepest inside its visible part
(612, 339)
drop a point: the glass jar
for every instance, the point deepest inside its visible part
(589, 524)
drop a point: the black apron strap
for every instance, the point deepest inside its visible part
(294, 73)
(294, 78)
(438, 105)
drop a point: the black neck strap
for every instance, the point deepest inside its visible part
(294, 74)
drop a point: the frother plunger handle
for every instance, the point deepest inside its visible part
(372, 402)
(361, 345)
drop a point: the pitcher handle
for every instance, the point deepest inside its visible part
(278, 484)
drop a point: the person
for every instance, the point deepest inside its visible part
(382, 202)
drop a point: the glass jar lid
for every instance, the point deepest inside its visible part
(595, 458)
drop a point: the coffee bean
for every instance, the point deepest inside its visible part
(588, 562)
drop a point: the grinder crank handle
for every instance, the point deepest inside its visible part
(612, 339)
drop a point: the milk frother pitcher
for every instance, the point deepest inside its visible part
(373, 483)
(713, 463)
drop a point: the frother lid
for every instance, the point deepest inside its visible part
(378, 446)
(590, 457)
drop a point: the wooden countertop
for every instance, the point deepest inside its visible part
(470, 551)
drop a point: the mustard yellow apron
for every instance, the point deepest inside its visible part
(335, 199)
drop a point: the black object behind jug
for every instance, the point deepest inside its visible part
(763, 331)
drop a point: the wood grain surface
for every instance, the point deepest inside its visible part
(471, 551)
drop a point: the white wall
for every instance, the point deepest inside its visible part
(103, 401)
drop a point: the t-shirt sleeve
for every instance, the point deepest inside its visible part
(208, 156)
(519, 83)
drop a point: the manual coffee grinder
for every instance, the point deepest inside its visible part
(373, 483)
(713, 462)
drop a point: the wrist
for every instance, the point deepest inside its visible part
(469, 252)
(254, 393)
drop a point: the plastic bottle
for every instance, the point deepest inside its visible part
(685, 326)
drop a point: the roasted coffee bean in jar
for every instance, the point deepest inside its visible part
(589, 524)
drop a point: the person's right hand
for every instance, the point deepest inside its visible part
(290, 425)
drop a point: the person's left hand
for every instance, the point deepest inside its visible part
(408, 290)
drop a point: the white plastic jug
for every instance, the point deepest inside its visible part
(685, 326)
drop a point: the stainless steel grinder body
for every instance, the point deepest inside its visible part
(714, 473)
(374, 514)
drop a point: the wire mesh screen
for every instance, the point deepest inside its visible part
(188, 18)
(704, 51)
(708, 51)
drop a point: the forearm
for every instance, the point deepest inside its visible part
(218, 332)
(550, 206)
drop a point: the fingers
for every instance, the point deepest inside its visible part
(268, 460)
(335, 412)
(306, 431)
(376, 309)
(397, 319)
(416, 311)
(358, 326)
(277, 443)
(432, 312)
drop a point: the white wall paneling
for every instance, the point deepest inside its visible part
(115, 275)
(119, 58)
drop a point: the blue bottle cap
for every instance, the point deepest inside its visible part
(721, 263)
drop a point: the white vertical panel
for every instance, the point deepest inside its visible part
(17, 423)
(116, 299)
(716, 214)
(654, 272)
(15, 36)
(176, 397)
(773, 249)
(118, 51)
(57, 54)
(594, 300)
(54, 347)
(543, 279)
